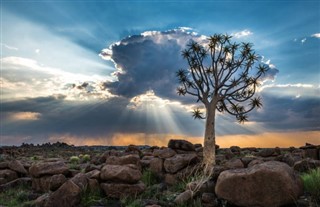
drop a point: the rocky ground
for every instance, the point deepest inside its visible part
(58, 174)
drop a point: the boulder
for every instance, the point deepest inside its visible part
(268, 184)
(94, 174)
(255, 162)
(123, 160)
(120, 190)
(235, 150)
(120, 173)
(41, 184)
(266, 152)
(234, 163)
(312, 153)
(68, 195)
(156, 166)
(179, 161)
(3, 165)
(208, 200)
(80, 180)
(181, 145)
(306, 164)
(184, 197)
(164, 153)
(48, 168)
(7, 176)
(17, 166)
(56, 181)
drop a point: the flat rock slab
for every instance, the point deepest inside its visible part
(48, 168)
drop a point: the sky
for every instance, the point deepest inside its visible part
(103, 72)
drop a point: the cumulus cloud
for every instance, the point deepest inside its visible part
(243, 33)
(149, 61)
(24, 77)
(316, 35)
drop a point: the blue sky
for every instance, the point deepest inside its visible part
(102, 72)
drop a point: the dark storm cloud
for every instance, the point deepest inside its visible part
(150, 61)
(101, 118)
(289, 112)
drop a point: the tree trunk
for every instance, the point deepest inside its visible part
(209, 155)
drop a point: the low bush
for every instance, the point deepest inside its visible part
(311, 182)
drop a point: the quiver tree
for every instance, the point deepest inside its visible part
(224, 76)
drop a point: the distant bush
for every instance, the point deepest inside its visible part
(86, 158)
(311, 182)
(74, 159)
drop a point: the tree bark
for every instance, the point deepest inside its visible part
(209, 155)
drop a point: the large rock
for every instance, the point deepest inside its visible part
(156, 166)
(119, 190)
(269, 184)
(123, 160)
(306, 164)
(266, 152)
(184, 197)
(181, 145)
(234, 163)
(179, 161)
(164, 153)
(121, 173)
(7, 176)
(68, 195)
(17, 166)
(48, 168)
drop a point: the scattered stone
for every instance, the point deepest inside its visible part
(119, 190)
(56, 181)
(156, 166)
(267, 184)
(7, 176)
(208, 200)
(17, 166)
(266, 152)
(164, 153)
(184, 197)
(306, 164)
(48, 168)
(181, 145)
(124, 160)
(234, 163)
(255, 162)
(68, 195)
(121, 173)
(179, 161)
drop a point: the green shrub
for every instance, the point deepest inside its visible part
(86, 158)
(149, 178)
(311, 182)
(92, 198)
(74, 160)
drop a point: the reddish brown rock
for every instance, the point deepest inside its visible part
(181, 145)
(68, 195)
(80, 180)
(156, 166)
(255, 162)
(16, 165)
(267, 152)
(179, 161)
(269, 184)
(306, 164)
(164, 153)
(124, 160)
(7, 176)
(120, 173)
(94, 174)
(119, 190)
(48, 168)
(3, 165)
(234, 163)
(56, 181)
(184, 197)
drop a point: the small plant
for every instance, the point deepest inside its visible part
(34, 158)
(92, 198)
(130, 202)
(149, 178)
(86, 158)
(74, 160)
(311, 182)
(15, 197)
